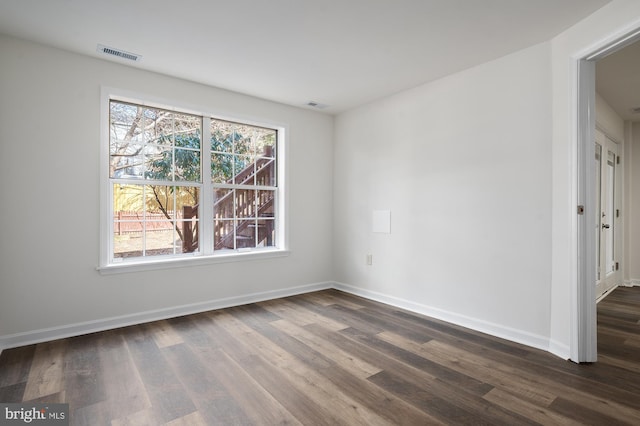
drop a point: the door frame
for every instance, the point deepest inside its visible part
(583, 346)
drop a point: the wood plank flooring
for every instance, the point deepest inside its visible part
(328, 358)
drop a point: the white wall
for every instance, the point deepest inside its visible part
(442, 258)
(609, 121)
(464, 165)
(49, 228)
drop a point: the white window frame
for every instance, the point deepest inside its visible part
(206, 254)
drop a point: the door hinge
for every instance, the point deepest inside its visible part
(617, 212)
(617, 266)
(580, 209)
(618, 159)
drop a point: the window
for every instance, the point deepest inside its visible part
(243, 173)
(184, 185)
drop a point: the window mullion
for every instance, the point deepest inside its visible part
(206, 194)
(235, 213)
(175, 223)
(144, 220)
(256, 226)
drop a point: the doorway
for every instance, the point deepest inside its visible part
(599, 190)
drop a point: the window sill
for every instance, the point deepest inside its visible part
(183, 262)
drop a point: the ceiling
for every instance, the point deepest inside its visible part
(618, 81)
(341, 53)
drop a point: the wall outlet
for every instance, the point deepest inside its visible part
(369, 259)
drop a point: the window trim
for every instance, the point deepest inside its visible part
(207, 255)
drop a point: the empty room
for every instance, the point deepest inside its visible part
(332, 212)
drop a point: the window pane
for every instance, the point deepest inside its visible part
(187, 165)
(244, 169)
(266, 172)
(187, 201)
(160, 238)
(158, 163)
(223, 234)
(246, 234)
(127, 244)
(266, 202)
(221, 168)
(150, 125)
(266, 142)
(128, 225)
(222, 136)
(125, 122)
(266, 233)
(223, 204)
(144, 220)
(128, 220)
(189, 235)
(159, 202)
(128, 198)
(187, 131)
(243, 139)
(158, 126)
(245, 202)
(126, 161)
(187, 210)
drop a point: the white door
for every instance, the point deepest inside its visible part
(607, 220)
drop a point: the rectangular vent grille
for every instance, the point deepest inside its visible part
(119, 53)
(314, 104)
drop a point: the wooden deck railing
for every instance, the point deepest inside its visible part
(257, 206)
(245, 204)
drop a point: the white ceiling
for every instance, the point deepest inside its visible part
(618, 81)
(342, 53)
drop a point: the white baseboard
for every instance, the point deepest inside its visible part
(559, 349)
(53, 333)
(608, 292)
(497, 330)
(632, 283)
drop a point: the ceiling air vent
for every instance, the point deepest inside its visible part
(119, 53)
(318, 105)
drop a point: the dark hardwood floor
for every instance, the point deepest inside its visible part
(328, 358)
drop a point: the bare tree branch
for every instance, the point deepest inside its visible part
(164, 211)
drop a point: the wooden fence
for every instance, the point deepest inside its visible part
(129, 222)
